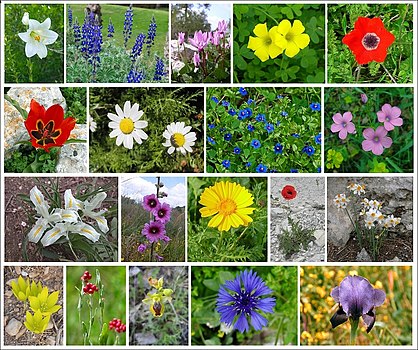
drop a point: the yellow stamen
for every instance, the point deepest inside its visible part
(126, 125)
(178, 139)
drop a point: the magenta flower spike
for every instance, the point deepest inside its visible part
(357, 298)
(343, 125)
(390, 116)
(376, 141)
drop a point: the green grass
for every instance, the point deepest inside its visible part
(141, 20)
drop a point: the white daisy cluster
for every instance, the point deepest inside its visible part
(60, 222)
(372, 215)
(341, 201)
(357, 188)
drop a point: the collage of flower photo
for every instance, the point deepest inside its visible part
(208, 175)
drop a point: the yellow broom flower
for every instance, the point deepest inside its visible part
(229, 202)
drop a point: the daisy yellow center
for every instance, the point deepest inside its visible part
(178, 139)
(227, 206)
(126, 125)
(35, 36)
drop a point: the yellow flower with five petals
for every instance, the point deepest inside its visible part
(263, 44)
(290, 37)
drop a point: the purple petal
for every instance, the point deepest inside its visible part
(347, 117)
(380, 132)
(388, 126)
(356, 295)
(339, 317)
(369, 320)
(242, 324)
(396, 112)
(343, 134)
(227, 314)
(377, 148)
(266, 305)
(386, 142)
(368, 134)
(337, 118)
(336, 127)
(350, 127)
(224, 297)
(335, 294)
(397, 121)
(367, 145)
(379, 297)
(257, 321)
(387, 109)
(234, 285)
(381, 116)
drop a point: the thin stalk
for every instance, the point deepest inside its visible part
(355, 228)
(354, 326)
(358, 73)
(268, 15)
(72, 250)
(390, 75)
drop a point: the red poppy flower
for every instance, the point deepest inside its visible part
(369, 40)
(48, 128)
(289, 192)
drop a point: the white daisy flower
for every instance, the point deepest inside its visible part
(93, 124)
(127, 125)
(179, 138)
(37, 36)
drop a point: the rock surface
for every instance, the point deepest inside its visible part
(308, 208)
(363, 256)
(13, 327)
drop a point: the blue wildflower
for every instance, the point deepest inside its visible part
(159, 69)
(214, 99)
(248, 164)
(280, 97)
(232, 112)
(250, 128)
(278, 148)
(137, 48)
(315, 106)
(318, 170)
(295, 135)
(211, 140)
(309, 150)
(294, 170)
(135, 76)
(249, 112)
(255, 143)
(269, 127)
(284, 114)
(110, 29)
(273, 171)
(211, 126)
(242, 91)
(127, 25)
(261, 168)
(318, 139)
(237, 150)
(70, 17)
(243, 299)
(225, 103)
(245, 113)
(250, 100)
(261, 118)
(226, 163)
(91, 42)
(227, 137)
(77, 33)
(152, 32)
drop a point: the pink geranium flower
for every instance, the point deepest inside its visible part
(376, 141)
(390, 116)
(343, 125)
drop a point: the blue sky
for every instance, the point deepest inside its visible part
(218, 12)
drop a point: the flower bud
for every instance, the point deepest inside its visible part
(25, 18)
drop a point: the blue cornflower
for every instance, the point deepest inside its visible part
(226, 163)
(294, 170)
(242, 91)
(232, 112)
(284, 114)
(137, 48)
(127, 25)
(214, 99)
(255, 143)
(315, 106)
(278, 148)
(295, 135)
(227, 137)
(211, 126)
(159, 69)
(110, 29)
(225, 103)
(250, 128)
(242, 299)
(70, 17)
(135, 76)
(237, 150)
(309, 150)
(261, 118)
(261, 168)
(152, 32)
(248, 164)
(269, 127)
(318, 139)
(211, 140)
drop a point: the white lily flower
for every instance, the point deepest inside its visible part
(86, 231)
(95, 203)
(37, 37)
(54, 234)
(37, 231)
(68, 215)
(71, 202)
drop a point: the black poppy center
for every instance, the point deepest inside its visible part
(370, 41)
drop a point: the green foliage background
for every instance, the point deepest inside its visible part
(398, 158)
(397, 19)
(238, 244)
(114, 293)
(161, 106)
(21, 69)
(282, 324)
(393, 319)
(307, 66)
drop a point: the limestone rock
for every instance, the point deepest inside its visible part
(73, 156)
(363, 256)
(320, 238)
(13, 327)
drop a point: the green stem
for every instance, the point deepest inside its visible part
(358, 73)
(354, 326)
(72, 250)
(390, 75)
(268, 15)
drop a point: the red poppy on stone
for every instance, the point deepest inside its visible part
(289, 192)
(369, 40)
(48, 128)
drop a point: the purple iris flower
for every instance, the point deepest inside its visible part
(356, 297)
(241, 298)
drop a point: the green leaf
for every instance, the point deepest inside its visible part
(16, 105)
(212, 284)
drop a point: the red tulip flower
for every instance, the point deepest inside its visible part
(48, 128)
(289, 192)
(369, 40)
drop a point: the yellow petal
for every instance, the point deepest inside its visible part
(205, 212)
(261, 30)
(274, 51)
(297, 27)
(284, 27)
(291, 49)
(302, 40)
(262, 53)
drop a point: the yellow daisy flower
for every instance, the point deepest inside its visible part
(229, 202)
(291, 37)
(263, 44)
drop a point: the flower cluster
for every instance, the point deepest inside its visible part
(127, 25)
(70, 16)
(110, 29)
(152, 32)
(155, 230)
(137, 48)
(159, 69)
(157, 299)
(60, 222)
(90, 288)
(284, 38)
(117, 325)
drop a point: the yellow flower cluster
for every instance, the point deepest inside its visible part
(284, 38)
